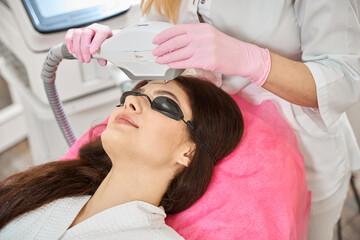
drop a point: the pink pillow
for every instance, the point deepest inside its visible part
(257, 192)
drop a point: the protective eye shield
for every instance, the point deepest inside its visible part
(169, 108)
(161, 104)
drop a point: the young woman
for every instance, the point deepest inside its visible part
(289, 52)
(156, 156)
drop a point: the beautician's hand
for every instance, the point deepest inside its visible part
(203, 46)
(85, 42)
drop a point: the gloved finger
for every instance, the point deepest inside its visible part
(77, 44)
(177, 55)
(182, 64)
(86, 37)
(169, 33)
(171, 45)
(96, 42)
(69, 40)
(102, 62)
(101, 34)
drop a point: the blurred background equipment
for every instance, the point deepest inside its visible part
(89, 92)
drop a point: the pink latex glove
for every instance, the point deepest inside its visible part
(203, 46)
(85, 42)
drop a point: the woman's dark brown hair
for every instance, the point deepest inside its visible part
(217, 120)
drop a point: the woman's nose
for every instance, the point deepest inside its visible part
(132, 103)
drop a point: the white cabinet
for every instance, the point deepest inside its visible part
(12, 122)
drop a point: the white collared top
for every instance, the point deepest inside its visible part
(132, 220)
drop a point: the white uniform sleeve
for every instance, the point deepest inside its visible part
(330, 39)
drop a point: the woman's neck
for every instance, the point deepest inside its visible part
(122, 185)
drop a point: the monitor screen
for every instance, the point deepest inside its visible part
(53, 8)
(56, 15)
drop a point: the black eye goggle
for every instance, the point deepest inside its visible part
(169, 108)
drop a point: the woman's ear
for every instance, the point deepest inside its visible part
(187, 154)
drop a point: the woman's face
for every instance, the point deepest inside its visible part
(138, 133)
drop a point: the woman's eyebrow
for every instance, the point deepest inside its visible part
(163, 92)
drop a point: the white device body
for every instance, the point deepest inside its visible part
(131, 50)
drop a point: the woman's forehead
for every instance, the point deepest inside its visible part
(171, 86)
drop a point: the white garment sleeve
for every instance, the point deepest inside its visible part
(330, 40)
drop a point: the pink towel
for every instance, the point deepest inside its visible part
(257, 192)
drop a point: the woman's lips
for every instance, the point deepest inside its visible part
(123, 118)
